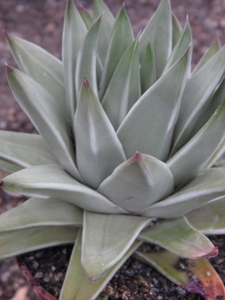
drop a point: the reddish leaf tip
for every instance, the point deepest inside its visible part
(85, 81)
(213, 253)
(9, 68)
(1, 183)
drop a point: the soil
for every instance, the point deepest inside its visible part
(41, 22)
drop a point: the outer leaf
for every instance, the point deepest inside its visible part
(137, 183)
(43, 67)
(124, 88)
(47, 117)
(191, 159)
(86, 59)
(210, 52)
(121, 39)
(196, 94)
(205, 187)
(209, 218)
(147, 71)
(82, 288)
(159, 33)
(164, 97)
(198, 276)
(24, 149)
(8, 166)
(177, 29)
(51, 181)
(98, 148)
(105, 27)
(113, 243)
(19, 242)
(185, 40)
(179, 237)
(165, 263)
(74, 31)
(41, 212)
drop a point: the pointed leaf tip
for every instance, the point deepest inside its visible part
(213, 253)
(9, 69)
(85, 81)
(1, 183)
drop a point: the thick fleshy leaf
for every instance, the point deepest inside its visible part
(159, 33)
(205, 187)
(41, 212)
(204, 280)
(24, 149)
(124, 88)
(209, 218)
(121, 39)
(106, 27)
(82, 288)
(9, 167)
(166, 263)
(98, 149)
(47, 117)
(181, 46)
(86, 59)
(74, 31)
(43, 67)
(209, 109)
(164, 97)
(18, 242)
(192, 157)
(177, 29)
(86, 16)
(137, 183)
(114, 235)
(147, 70)
(196, 94)
(196, 276)
(212, 50)
(179, 237)
(51, 181)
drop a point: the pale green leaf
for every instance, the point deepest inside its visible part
(196, 94)
(19, 242)
(51, 181)
(41, 212)
(177, 29)
(74, 31)
(193, 156)
(205, 187)
(98, 149)
(157, 109)
(159, 33)
(179, 237)
(24, 149)
(147, 70)
(86, 16)
(137, 183)
(124, 88)
(209, 218)
(121, 39)
(209, 53)
(43, 67)
(106, 27)
(82, 288)
(185, 40)
(114, 235)
(8, 166)
(165, 263)
(47, 117)
(86, 59)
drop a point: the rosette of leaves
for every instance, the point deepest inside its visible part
(128, 137)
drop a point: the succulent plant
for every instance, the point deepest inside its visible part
(128, 136)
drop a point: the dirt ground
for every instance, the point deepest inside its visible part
(40, 21)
